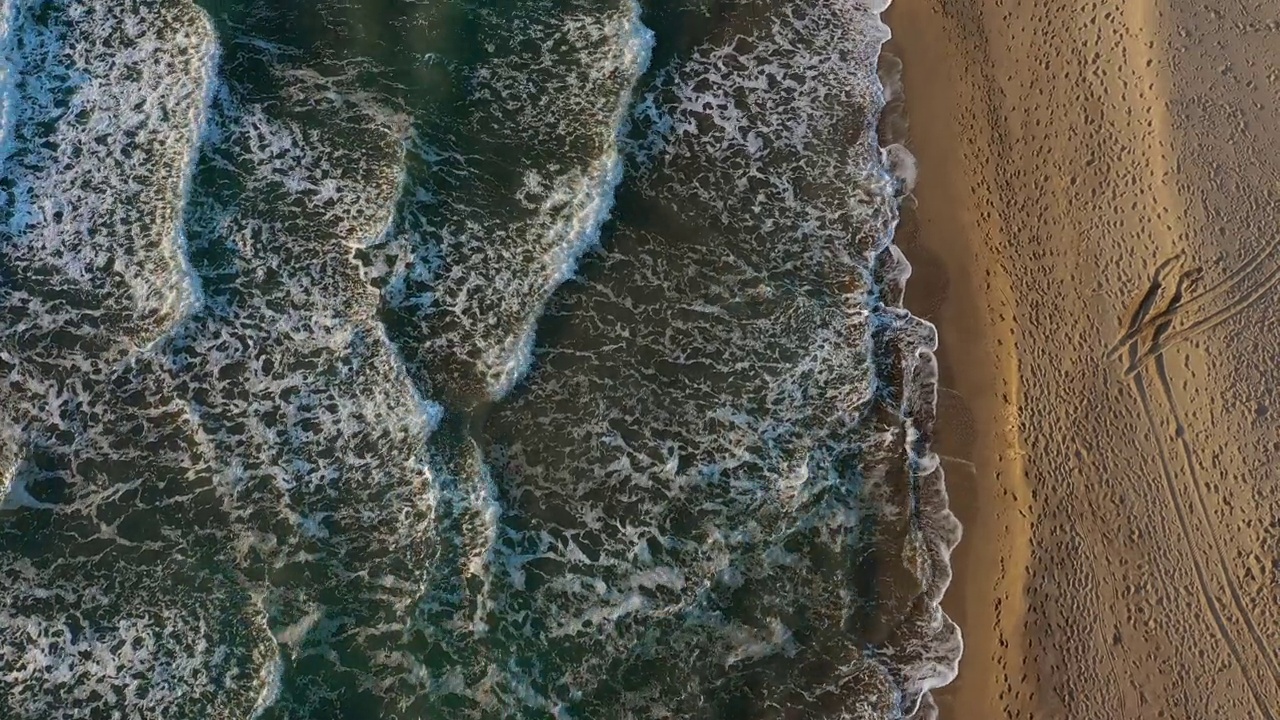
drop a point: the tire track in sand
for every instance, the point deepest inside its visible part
(1224, 568)
(1202, 582)
(1225, 283)
(1232, 309)
(1140, 47)
(1163, 321)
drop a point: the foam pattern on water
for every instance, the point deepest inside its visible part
(100, 119)
(269, 435)
(301, 416)
(320, 435)
(509, 198)
(8, 16)
(715, 496)
(116, 643)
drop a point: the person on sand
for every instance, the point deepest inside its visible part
(1163, 320)
(1136, 322)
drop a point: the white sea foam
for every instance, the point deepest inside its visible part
(564, 109)
(281, 392)
(270, 682)
(901, 165)
(112, 651)
(96, 162)
(189, 297)
(760, 407)
(15, 493)
(8, 70)
(269, 675)
(718, 433)
(570, 235)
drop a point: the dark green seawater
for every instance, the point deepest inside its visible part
(441, 359)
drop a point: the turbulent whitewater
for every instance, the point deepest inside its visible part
(460, 359)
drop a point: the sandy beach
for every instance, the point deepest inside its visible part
(1085, 171)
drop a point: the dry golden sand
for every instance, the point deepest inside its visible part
(1122, 531)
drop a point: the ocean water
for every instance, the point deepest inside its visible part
(460, 359)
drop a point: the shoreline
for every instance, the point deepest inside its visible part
(1121, 546)
(963, 292)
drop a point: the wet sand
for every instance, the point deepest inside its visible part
(1121, 510)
